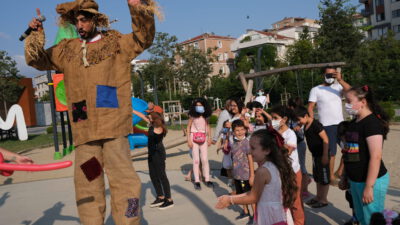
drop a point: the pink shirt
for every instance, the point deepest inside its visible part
(198, 125)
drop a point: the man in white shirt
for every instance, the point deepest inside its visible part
(328, 98)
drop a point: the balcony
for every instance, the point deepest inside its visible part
(366, 12)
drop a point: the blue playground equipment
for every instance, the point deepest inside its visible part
(138, 140)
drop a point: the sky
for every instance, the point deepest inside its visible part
(183, 18)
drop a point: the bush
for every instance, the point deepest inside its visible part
(213, 119)
(49, 130)
(388, 107)
(184, 116)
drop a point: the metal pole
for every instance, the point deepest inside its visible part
(141, 84)
(155, 89)
(57, 154)
(258, 69)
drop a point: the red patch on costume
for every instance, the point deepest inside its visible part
(92, 169)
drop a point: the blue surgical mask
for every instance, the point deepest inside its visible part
(199, 109)
(225, 130)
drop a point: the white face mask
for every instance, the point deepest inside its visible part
(350, 110)
(329, 80)
(276, 124)
(260, 93)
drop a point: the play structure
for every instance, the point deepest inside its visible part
(7, 169)
(15, 114)
(247, 79)
(139, 137)
(172, 110)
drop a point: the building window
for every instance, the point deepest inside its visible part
(219, 44)
(220, 57)
(222, 70)
(380, 17)
(196, 45)
(396, 13)
(226, 56)
(396, 28)
(379, 2)
(382, 31)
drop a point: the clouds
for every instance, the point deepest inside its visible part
(24, 69)
(4, 36)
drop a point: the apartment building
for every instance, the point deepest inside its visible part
(40, 85)
(225, 57)
(382, 15)
(293, 27)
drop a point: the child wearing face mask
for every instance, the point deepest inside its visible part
(243, 166)
(199, 139)
(280, 118)
(363, 164)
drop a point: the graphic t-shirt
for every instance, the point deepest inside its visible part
(240, 150)
(356, 154)
(314, 141)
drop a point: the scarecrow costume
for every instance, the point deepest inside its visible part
(98, 88)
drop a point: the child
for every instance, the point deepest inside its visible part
(227, 157)
(344, 184)
(199, 139)
(243, 166)
(363, 164)
(280, 118)
(274, 183)
(318, 144)
(156, 160)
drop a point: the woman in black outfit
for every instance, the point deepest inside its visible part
(156, 160)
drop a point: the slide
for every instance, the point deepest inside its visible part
(139, 138)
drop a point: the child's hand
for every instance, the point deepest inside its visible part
(223, 202)
(368, 195)
(209, 142)
(325, 160)
(190, 144)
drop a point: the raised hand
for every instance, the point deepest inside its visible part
(35, 23)
(134, 2)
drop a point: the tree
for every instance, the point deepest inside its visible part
(9, 78)
(195, 68)
(338, 39)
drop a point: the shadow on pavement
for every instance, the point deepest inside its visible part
(51, 215)
(4, 198)
(313, 215)
(208, 212)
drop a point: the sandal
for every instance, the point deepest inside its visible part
(312, 202)
(319, 205)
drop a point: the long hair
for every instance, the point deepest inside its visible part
(366, 93)
(207, 109)
(158, 121)
(280, 158)
(239, 104)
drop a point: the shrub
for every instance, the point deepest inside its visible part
(213, 119)
(49, 130)
(184, 116)
(388, 107)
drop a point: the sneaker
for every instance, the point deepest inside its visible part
(167, 204)
(251, 221)
(197, 186)
(157, 203)
(210, 184)
(242, 216)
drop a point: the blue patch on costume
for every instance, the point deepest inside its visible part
(133, 208)
(106, 97)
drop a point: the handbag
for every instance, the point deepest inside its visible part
(198, 137)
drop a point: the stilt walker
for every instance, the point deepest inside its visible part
(97, 71)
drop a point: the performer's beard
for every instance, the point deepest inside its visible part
(87, 35)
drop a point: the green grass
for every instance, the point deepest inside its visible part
(34, 141)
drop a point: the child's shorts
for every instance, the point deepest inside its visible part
(242, 186)
(320, 172)
(227, 161)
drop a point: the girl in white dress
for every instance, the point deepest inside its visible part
(274, 184)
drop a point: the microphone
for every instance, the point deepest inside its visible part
(28, 31)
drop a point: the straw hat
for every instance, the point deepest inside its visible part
(68, 12)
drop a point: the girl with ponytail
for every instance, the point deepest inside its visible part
(369, 179)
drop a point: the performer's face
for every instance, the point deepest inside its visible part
(85, 27)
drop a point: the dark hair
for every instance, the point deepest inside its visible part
(366, 93)
(284, 111)
(300, 111)
(239, 104)
(250, 105)
(237, 123)
(329, 67)
(207, 108)
(280, 158)
(342, 128)
(265, 117)
(257, 105)
(158, 121)
(377, 218)
(225, 122)
(295, 102)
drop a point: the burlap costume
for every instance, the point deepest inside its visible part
(98, 87)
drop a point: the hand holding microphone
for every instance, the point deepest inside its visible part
(35, 24)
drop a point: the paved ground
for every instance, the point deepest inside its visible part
(47, 198)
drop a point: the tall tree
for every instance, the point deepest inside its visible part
(9, 77)
(338, 38)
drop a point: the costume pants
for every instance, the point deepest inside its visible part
(200, 152)
(364, 211)
(113, 157)
(298, 208)
(157, 174)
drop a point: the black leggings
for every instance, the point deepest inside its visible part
(157, 174)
